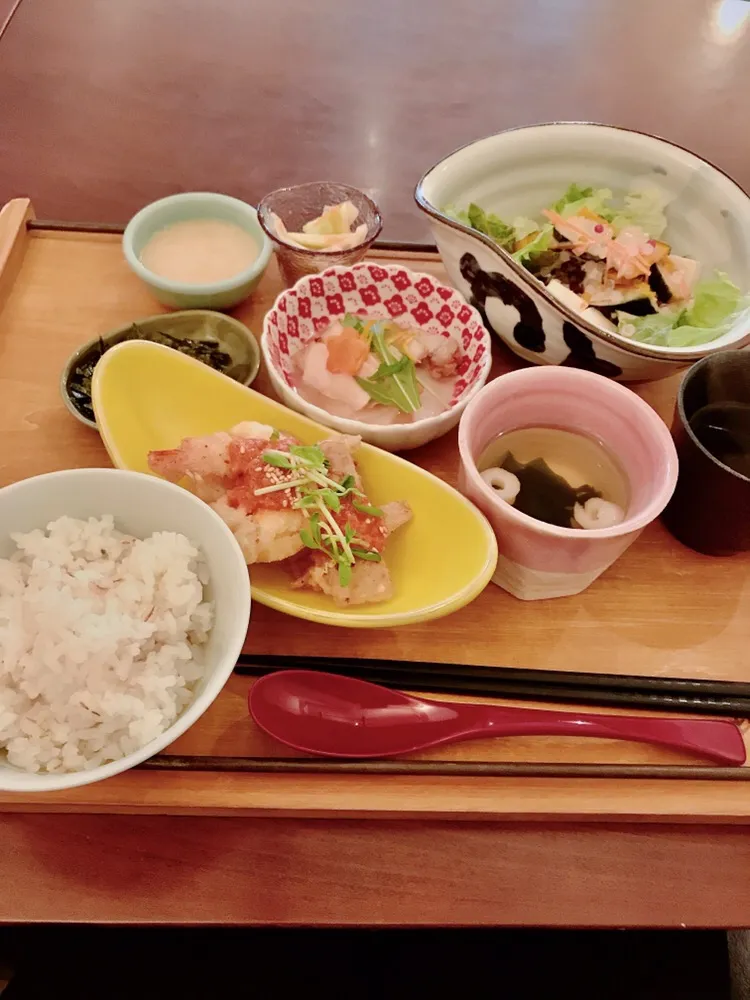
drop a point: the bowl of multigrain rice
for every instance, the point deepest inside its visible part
(124, 604)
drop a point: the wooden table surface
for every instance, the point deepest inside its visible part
(106, 106)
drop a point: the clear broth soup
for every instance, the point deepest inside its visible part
(557, 469)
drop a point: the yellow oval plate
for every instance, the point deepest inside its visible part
(148, 397)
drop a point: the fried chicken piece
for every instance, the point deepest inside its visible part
(265, 536)
(370, 581)
(227, 469)
(224, 469)
(395, 514)
(340, 454)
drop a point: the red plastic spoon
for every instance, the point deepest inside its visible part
(334, 716)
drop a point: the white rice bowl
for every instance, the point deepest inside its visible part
(117, 630)
(101, 637)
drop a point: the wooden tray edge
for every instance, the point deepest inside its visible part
(116, 228)
(399, 798)
(16, 217)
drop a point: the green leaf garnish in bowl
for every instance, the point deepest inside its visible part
(219, 341)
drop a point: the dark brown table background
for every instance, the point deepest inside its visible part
(107, 104)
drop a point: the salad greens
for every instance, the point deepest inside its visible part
(611, 256)
(577, 198)
(716, 301)
(487, 223)
(395, 381)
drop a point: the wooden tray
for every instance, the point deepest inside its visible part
(662, 610)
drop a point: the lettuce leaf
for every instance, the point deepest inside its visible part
(715, 306)
(459, 214)
(576, 197)
(484, 222)
(715, 300)
(524, 226)
(643, 208)
(654, 329)
(574, 193)
(539, 244)
(491, 225)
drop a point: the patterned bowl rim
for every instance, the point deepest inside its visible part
(485, 362)
(654, 353)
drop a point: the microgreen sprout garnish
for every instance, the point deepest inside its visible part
(320, 497)
(366, 508)
(353, 321)
(275, 434)
(395, 381)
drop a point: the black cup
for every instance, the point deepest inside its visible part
(710, 508)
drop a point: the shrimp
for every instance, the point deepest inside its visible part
(440, 355)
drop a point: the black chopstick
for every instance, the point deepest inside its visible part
(441, 768)
(656, 693)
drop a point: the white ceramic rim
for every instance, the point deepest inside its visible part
(626, 527)
(624, 343)
(58, 782)
(185, 288)
(359, 427)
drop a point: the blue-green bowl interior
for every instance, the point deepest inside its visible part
(181, 208)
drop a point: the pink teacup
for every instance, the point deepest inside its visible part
(539, 560)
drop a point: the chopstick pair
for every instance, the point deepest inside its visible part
(621, 691)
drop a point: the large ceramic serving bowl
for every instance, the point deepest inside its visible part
(522, 171)
(382, 292)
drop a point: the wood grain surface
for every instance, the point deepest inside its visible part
(106, 106)
(152, 870)
(70, 287)
(660, 610)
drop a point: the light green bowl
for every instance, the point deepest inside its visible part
(196, 205)
(231, 336)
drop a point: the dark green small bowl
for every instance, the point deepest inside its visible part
(231, 337)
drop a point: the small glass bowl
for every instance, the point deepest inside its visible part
(304, 202)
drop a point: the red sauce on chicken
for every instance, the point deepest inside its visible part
(247, 472)
(368, 528)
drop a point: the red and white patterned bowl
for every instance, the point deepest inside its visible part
(377, 291)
